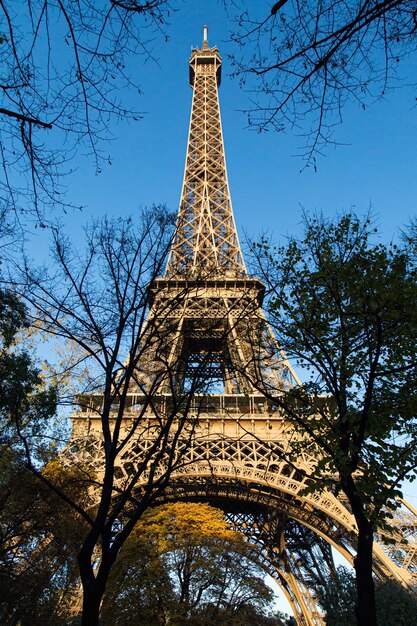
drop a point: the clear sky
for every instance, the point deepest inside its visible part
(375, 167)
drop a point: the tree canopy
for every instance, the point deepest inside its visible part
(182, 564)
(343, 305)
(38, 538)
(394, 604)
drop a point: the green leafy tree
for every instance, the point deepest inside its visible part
(26, 403)
(37, 537)
(182, 564)
(338, 599)
(39, 540)
(394, 604)
(344, 308)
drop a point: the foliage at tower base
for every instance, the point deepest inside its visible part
(38, 540)
(183, 565)
(343, 306)
(394, 604)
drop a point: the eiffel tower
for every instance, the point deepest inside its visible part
(214, 340)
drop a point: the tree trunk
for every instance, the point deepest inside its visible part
(91, 607)
(93, 587)
(365, 608)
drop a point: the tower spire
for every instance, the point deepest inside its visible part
(205, 40)
(206, 241)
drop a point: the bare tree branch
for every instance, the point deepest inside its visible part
(69, 61)
(305, 60)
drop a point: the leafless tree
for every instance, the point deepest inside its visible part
(64, 74)
(128, 436)
(303, 61)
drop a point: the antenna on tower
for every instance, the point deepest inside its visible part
(205, 42)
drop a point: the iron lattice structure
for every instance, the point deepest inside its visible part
(213, 339)
(206, 239)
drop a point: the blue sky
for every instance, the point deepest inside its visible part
(375, 167)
